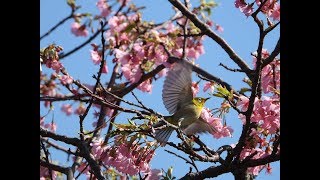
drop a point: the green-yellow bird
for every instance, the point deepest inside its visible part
(178, 99)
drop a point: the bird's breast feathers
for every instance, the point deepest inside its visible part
(189, 113)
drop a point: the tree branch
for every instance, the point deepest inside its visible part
(216, 171)
(261, 161)
(207, 31)
(273, 55)
(65, 139)
(187, 161)
(46, 152)
(57, 25)
(208, 173)
(54, 167)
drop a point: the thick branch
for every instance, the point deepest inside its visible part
(82, 147)
(216, 171)
(274, 53)
(208, 173)
(262, 161)
(65, 98)
(57, 137)
(54, 167)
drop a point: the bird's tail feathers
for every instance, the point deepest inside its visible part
(162, 135)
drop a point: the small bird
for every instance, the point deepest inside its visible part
(178, 99)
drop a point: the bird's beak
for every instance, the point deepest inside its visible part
(206, 99)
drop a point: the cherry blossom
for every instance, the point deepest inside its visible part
(208, 85)
(222, 130)
(65, 79)
(79, 30)
(103, 7)
(67, 108)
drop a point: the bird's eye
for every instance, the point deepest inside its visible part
(199, 100)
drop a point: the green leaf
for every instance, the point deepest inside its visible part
(131, 122)
(71, 3)
(243, 90)
(207, 10)
(218, 95)
(129, 28)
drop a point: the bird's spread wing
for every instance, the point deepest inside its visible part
(177, 87)
(198, 127)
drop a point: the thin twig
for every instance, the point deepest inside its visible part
(57, 25)
(187, 161)
(230, 69)
(54, 167)
(82, 171)
(68, 151)
(46, 152)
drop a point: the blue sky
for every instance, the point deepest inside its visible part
(240, 32)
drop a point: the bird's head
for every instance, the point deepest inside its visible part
(199, 101)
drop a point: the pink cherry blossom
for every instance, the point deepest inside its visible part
(133, 17)
(170, 27)
(208, 85)
(247, 10)
(210, 23)
(79, 30)
(239, 3)
(177, 52)
(54, 64)
(80, 110)
(65, 79)
(195, 88)
(276, 12)
(67, 108)
(132, 72)
(44, 173)
(266, 112)
(117, 23)
(128, 158)
(53, 127)
(105, 68)
(222, 131)
(219, 28)
(97, 147)
(243, 103)
(260, 154)
(154, 174)
(95, 57)
(244, 7)
(145, 86)
(103, 8)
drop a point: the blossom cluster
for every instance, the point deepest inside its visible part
(50, 126)
(222, 130)
(270, 75)
(271, 8)
(139, 54)
(126, 157)
(44, 173)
